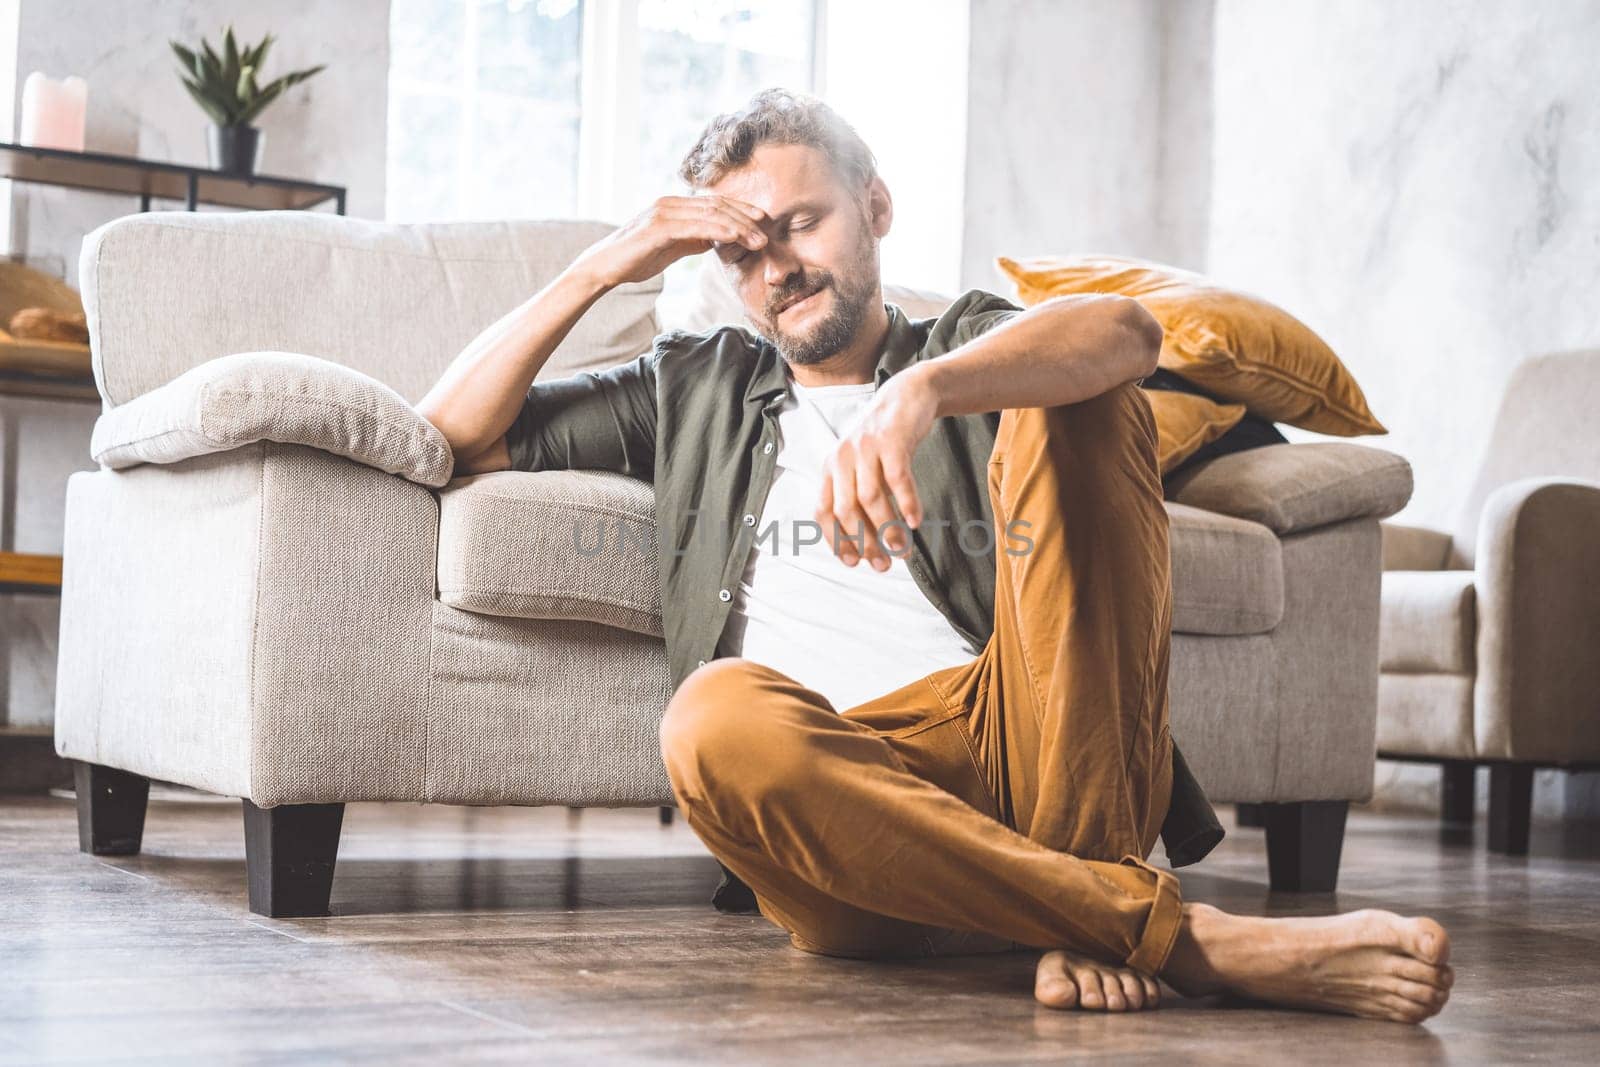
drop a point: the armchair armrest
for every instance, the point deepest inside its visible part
(275, 396)
(1413, 548)
(1293, 487)
(1538, 578)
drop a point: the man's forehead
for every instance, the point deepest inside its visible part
(777, 179)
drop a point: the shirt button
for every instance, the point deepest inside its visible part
(724, 596)
(766, 449)
(702, 663)
(749, 520)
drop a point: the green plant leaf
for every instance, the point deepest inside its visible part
(186, 57)
(230, 57)
(245, 90)
(260, 53)
(301, 75)
(217, 114)
(213, 61)
(268, 95)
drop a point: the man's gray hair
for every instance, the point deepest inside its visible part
(778, 116)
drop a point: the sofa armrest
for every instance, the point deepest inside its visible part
(1293, 487)
(274, 396)
(1538, 578)
(1413, 548)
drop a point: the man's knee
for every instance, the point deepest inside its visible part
(1110, 432)
(715, 716)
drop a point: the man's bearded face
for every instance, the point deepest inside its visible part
(809, 288)
(834, 306)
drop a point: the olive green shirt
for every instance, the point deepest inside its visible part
(697, 417)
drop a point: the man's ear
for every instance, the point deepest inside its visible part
(880, 207)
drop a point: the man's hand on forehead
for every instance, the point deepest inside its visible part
(668, 230)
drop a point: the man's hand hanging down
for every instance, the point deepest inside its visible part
(1060, 351)
(869, 504)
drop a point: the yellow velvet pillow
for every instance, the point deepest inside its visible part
(1186, 423)
(1235, 346)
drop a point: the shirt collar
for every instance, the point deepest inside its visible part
(899, 351)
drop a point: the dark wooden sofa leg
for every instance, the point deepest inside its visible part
(1458, 805)
(1303, 844)
(289, 853)
(1510, 807)
(111, 806)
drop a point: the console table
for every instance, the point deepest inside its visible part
(150, 180)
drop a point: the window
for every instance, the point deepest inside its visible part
(534, 108)
(584, 108)
(484, 109)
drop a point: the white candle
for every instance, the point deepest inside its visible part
(53, 112)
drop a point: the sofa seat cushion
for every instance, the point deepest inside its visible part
(1227, 573)
(551, 545)
(580, 545)
(1428, 622)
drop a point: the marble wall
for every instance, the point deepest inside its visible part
(1088, 129)
(331, 128)
(1420, 182)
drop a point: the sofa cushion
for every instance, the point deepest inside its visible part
(1428, 622)
(580, 545)
(1186, 423)
(551, 545)
(288, 397)
(1292, 487)
(1238, 347)
(1227, 573)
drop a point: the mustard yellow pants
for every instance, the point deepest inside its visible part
(1006, 803)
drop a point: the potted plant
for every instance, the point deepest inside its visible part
(225, 86)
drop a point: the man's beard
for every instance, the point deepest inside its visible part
(835, 332)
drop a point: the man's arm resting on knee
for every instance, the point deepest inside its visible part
(1060, 351)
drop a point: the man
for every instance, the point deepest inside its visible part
(904, 738)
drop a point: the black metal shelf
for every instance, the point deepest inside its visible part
(150, 180)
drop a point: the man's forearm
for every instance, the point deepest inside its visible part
(480, 393)
(1061, 351)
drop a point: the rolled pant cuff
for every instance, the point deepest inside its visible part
(1149, 957)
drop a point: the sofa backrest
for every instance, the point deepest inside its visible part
(166, 291)
(1548, 424)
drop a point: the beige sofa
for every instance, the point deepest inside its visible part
(273, 590)
(1490, 638)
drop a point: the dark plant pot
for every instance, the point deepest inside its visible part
(234, 149)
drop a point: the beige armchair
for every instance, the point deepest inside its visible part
(1489, 645)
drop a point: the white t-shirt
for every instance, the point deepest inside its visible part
(850, 633)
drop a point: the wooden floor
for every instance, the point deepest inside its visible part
(514, 935)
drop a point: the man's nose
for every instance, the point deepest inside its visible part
(778, 264)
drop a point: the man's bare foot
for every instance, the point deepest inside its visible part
(1066, 980)
(1370, 963)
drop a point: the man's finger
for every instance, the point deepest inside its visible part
(873, 493)
(898, 474)
(824, 510)
(756, 214)
(751, 235)
(850, 545)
